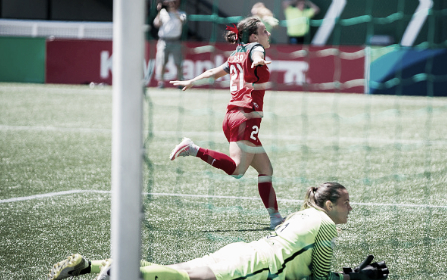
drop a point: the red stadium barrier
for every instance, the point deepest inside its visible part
(323, 69)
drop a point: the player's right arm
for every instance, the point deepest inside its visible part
(210, 74)
(157, 20)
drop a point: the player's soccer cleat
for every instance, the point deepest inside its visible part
(105, 270)
(71, 266)
(275, 220)
(185, 148)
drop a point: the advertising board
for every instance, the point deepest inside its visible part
(293, 68)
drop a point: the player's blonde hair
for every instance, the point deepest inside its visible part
(260, 10)
(316, 197)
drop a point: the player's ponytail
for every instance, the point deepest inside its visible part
(245, 28)
(316, 197)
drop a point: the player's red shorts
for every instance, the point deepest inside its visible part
(238, 126)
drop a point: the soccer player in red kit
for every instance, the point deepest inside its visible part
(249, 76)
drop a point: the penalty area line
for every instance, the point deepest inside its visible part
(46, 195)
(53, 194)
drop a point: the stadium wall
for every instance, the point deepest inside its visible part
(22, 59)
(394, 71)
(358, 21)
(68, 61)
(79, 10)
(409, 71)
(90, 61)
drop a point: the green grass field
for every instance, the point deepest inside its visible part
(55, 176)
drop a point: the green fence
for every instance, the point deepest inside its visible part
(22, 60)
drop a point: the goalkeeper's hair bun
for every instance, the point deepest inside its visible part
(317, 196)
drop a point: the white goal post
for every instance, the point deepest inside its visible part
(127, 137)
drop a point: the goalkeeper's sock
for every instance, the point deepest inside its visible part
(95, 266)
(162, 272)
(218, 160)
(267, 193)
(144, 263)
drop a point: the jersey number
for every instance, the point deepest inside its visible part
(254, 132)
(236, 74)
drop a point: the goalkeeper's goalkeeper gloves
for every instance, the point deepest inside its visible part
(367, 270)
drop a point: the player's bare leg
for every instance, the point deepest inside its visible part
(242, 153)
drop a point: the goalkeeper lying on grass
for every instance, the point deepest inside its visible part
(299, 248)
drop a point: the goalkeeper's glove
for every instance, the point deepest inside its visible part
(367, 270)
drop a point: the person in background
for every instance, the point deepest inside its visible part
(265, 15)
(170, 21)
(299, 248)
(298, 13)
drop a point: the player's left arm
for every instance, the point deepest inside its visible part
(259, 86)
(314, 7)
(181, 16)
(258, 59)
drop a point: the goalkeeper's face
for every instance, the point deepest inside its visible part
(339, 211)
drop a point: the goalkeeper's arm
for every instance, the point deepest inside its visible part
(331, 276)
(367, 270)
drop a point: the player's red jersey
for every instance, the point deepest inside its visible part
(239, 67)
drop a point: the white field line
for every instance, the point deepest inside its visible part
(45, 195)
(218, 135)
(54, 194)
(51, 128)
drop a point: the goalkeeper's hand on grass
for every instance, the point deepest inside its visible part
(367, 270)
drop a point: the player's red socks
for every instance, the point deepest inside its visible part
(267, 192)
(225, 163)
(218, 160)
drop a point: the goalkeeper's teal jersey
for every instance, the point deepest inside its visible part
(301, 247)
